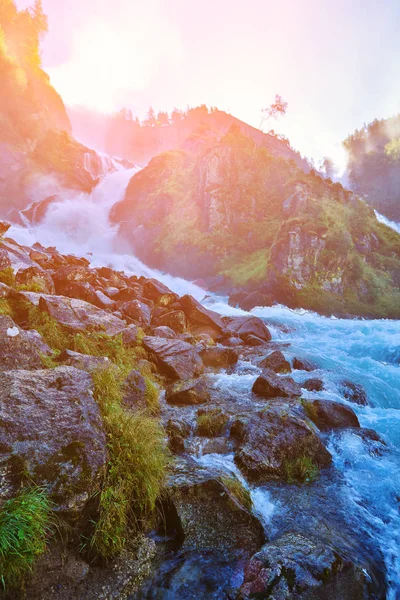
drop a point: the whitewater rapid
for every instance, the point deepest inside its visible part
(365, 352)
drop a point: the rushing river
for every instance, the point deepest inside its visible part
(365, 352)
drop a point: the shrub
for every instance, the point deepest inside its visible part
(300, 470)
(7, 276)
(25, 522)
(212, 422)
(52, 332)
(5, 308)
(237, 489)
(137, 468)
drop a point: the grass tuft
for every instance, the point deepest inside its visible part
(5, 308)
(7, 276)
(25, 522)
(237, 489)
(300, 470)
(211, 423)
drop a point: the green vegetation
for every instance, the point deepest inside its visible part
(137, 468)
(237, 489)
(7, 276)
(211, 423)
(300, 470)
(5, 308)
(25, 522)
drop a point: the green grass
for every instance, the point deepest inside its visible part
(5, 308)
(7, 276)
(25, 522)
(300, 470)
(252, 269)
(211, 423)
(137, 468)
(237, 489)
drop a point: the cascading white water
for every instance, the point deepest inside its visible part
(392, 224)
(367, 352)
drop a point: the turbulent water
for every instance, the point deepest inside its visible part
(386, 221)
(366, 352)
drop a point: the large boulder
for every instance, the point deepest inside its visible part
(200, 318)
(139, 312)
(174, 358)
(302, 364)
(86, 362)
(134, 391)
(271, 443)
(35, 276)
(158, 292)
(51, 432)
(270, 385)
(4, 227)
(194, 391)
(219, 356)
(175, 320)
(327, 414)
(294, 567)
(354, 392)
(75, 315)
(20, 349)
(244, 327)
(277, 362)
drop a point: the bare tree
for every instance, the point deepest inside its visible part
(277, 109)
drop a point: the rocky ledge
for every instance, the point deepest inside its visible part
(65, 328)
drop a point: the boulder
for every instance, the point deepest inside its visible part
(327, 414)
(244, 327)
(194, 391)
(354, 392)
(174, 358)
(200, 318)
(159, 293)
(276, 362)
(81, 290)
(271, 441)
(5, 262)
(304, 365)
(270, 385)
(51, 432)
(175, 320)
(205, 515)
(254, 341)
(139, 312)
(294, 567)
(126, 294)
(75, 315)
(4, 227)
(177, 430)
(130, 336)
(35, 276)
(257, 298)
(20, 349)
(86, 362)
(219, 356)
(165, 332)
(313, 385)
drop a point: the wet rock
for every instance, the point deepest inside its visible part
(75, 315)
(5, 262)
(295, 567)
(103, 301)
(158, 292)
(206, 515)
(127, 294)
(304, 365)
(139, 312)
(233, 341)
(211, 422)
(175, 320)
(254, 341)
(219, 357)
(51, 431)
(217, 445)
(177, 430)
(257, 298)
(135, 391)
(194, 391)
(20, 349)
(271, 440)
(276, 362)
(174, 358)
(4, 227)
(81, 290)
(327, 414)
(244, 327)
(4, 290)
(270, 385)
(85, 362)
(313, 385)
(201, 318)
(354, 392)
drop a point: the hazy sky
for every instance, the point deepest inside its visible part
(337, 63)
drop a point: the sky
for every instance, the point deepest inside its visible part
(336, 63)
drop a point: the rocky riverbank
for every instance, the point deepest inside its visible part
(111, 406)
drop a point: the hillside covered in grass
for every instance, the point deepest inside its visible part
(245, 220)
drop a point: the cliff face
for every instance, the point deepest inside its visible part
(244, 219)
(35, 140)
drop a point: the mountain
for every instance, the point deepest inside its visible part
(232, 213)
(38, 155)
(122, 135)
(374, 165)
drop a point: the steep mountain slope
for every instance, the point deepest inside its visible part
(244, 219)
(35, 138)
(121, 135)
(374, 165)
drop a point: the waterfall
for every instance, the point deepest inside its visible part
(387, 222)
